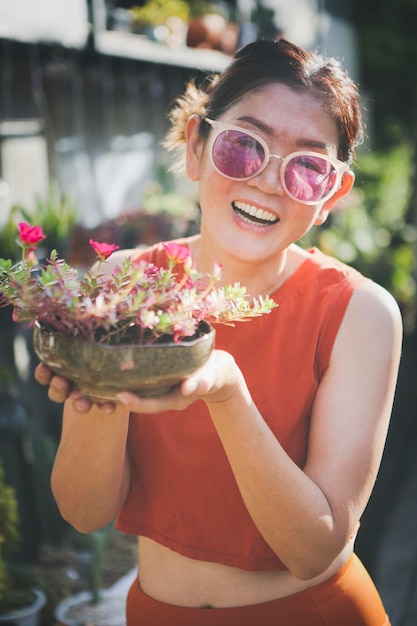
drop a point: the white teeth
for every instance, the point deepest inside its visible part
(254, 211)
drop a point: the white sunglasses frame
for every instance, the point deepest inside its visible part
(340, 166)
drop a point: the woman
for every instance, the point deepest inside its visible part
(247, 484)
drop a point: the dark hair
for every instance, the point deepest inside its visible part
(264, 62)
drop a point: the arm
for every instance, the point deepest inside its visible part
(308, 515)
(91, 474)
(90, 477)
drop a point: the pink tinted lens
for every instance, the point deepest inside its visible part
(309, 178)
(237, 154)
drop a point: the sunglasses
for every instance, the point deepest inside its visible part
(307, 177)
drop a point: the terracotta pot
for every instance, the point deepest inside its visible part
(99, 370)
(206, 31)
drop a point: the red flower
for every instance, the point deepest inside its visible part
(176, 253)
(103, 250)
(30, 234)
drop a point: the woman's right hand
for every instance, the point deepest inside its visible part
(60, 389)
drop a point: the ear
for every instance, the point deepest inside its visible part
(347, 184)
(193, 147)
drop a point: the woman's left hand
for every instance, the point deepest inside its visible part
(215, 381)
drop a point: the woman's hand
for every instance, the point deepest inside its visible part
(215, 382)
(60, 389)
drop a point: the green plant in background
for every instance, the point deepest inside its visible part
(155, 12)
(91, 549)
(9, 533)
(8, 235)
(156, 201)
(56, 214)
(373, 230)
(15, 582)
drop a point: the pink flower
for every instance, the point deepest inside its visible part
(30, 234)
(103, 250)
(176, 253)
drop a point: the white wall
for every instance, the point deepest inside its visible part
(306, 23)
(63, 21)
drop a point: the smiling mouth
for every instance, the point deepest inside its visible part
(254, 215)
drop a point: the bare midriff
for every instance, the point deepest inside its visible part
(175, 579)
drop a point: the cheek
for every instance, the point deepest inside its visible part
(211, 183)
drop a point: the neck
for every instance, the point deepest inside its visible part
(259, 278)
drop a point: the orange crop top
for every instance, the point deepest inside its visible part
(183, 494)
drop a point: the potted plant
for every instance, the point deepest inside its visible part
(56, 214)
(97, 602)
(140, 327)
(20, 602)
(163, 21)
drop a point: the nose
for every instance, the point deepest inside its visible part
(269, 180)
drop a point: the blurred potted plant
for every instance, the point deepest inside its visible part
(20, 602)
(56, 214)
(141, 327)
(197, 23)
(163, 21)
(95, 605)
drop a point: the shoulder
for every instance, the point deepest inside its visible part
(366, 316)
(372, 301)
(372, 323)
(328, 266)
(324, 273)
(373, 307)
(366, 296)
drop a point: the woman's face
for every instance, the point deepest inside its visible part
(254, 220)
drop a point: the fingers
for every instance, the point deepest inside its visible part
(43, 374)
(170, 401)
(214, 382)
(60, 390)
(59, 387)
(83, 404)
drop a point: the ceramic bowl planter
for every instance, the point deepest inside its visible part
(101, 370)
(26, 616)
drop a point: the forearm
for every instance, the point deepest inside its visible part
(289, 509)
(90, 477)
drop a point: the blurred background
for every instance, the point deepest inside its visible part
(85, 88)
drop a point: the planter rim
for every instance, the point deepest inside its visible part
(83, 597)
(189, 341)
(26, 611)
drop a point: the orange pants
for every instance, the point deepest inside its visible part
(348, 598)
